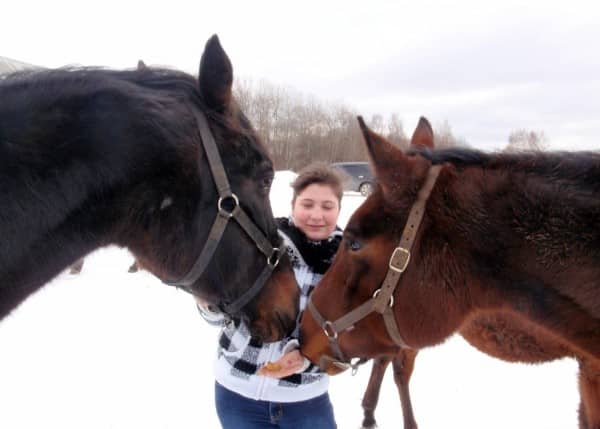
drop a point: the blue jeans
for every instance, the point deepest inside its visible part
(238, 412)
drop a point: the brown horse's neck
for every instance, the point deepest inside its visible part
(497, 245)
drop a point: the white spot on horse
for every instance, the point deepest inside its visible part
(166, 203)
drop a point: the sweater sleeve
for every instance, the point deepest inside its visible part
(291, 344)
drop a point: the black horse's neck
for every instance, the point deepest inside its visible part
(69, 165)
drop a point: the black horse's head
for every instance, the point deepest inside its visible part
(91, 157)
(173, 210)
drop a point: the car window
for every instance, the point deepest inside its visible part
(355, 170)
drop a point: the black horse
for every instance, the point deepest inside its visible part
(91, 157)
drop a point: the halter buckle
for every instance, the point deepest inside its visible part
(399, 260)
(223, 211)
(328, 325)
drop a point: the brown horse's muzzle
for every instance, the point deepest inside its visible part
(315, 346)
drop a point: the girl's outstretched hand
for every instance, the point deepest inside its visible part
(290, 363)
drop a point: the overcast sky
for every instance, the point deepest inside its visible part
(487, 68)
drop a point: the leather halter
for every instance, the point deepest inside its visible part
(237, 213)
(382, 300)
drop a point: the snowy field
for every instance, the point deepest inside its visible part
(109, 349)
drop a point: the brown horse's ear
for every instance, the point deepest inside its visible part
(215, 76)
(423, 135)
(390, 165)
(141, 65)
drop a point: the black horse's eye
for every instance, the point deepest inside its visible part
(266, 182)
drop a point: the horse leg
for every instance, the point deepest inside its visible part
(76, 267)
(371, 396)
(403, 365)
(134, 268)
(589, 388)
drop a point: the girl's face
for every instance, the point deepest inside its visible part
(316, 210)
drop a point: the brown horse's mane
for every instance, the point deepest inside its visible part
(583, 167)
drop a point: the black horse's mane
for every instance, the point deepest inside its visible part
(168, 92)
(88, 77)
(53, 83)
(578, 166)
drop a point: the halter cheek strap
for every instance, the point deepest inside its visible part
(237, 213)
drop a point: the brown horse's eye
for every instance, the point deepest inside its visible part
(354, 245)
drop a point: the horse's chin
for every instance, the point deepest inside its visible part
(331, 369)
(274, 328)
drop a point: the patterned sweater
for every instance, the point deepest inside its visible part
(239, 355)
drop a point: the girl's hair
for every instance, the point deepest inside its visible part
(321, 174)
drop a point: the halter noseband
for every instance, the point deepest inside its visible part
(272, 254)
(382, 300)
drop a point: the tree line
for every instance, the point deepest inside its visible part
(301, 129)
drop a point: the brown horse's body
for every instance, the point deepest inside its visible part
(501, 335)
(509, 236)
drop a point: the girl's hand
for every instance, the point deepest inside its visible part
(288, 364)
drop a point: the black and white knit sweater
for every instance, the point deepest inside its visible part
(239, 355)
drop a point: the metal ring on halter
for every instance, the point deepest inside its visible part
(224, 212)
(340, 364)
(391, 303)
(274, 254)
(353, 364)
(329, 325)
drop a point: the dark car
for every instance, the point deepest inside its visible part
(358, 176)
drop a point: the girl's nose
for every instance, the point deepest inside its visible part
(316, 214)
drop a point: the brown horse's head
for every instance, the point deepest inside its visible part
(359, 268)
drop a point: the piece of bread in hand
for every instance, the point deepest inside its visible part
(272, 366)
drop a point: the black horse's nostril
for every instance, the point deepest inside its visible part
(284, 324)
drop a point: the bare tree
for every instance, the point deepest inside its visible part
(376, 123)
(444, 138)
(300, 129)
(395, 132)
(524, 140)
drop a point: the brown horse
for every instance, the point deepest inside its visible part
(151, 159)
(504, 249)
(497, 334)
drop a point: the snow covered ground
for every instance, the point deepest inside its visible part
(112, 350)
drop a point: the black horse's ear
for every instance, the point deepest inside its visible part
(141, 65)
(215, 76)
(423, 135)
(391, 166)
